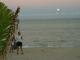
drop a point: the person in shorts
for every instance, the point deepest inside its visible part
(19, 43)
(12, 45)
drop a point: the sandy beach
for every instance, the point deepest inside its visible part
(63, 37)
(1, 58)
(46, 54)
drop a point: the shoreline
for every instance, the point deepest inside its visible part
(46, 54)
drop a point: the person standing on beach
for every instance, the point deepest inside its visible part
(19, 43)
(12, 44)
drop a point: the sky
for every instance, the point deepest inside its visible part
(46, 8)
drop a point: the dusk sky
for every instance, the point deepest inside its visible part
(46, 8)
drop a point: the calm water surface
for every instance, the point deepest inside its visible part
(51, 33)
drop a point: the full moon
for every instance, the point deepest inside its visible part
(58, 9)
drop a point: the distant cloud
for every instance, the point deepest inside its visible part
(33, 3)
(45, 8)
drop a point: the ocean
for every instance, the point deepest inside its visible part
(50, 33)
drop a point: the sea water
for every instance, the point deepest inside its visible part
(50, 32)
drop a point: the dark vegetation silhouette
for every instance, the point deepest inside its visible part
(7, 27)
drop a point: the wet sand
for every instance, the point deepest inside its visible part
(46, 54)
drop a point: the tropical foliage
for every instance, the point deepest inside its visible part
(5, 25)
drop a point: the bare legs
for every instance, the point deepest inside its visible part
(17, 50)
(11, 49)
(20, 49)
